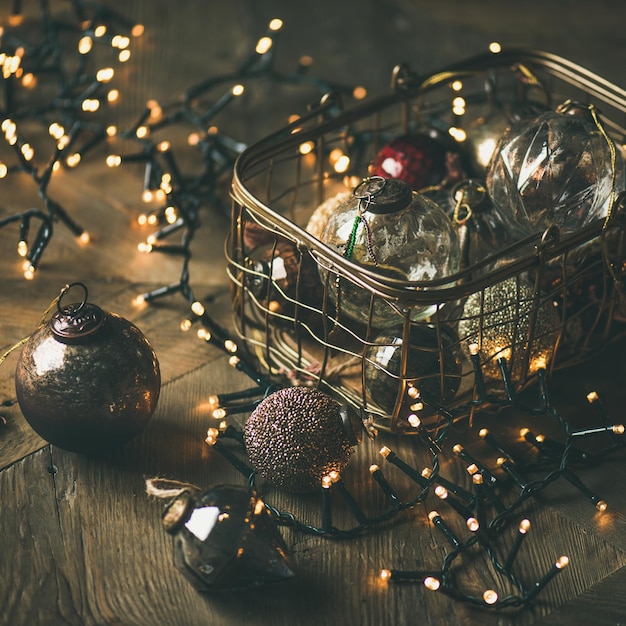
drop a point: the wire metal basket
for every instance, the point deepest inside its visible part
(285, 313)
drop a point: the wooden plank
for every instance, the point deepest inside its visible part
(98, 546)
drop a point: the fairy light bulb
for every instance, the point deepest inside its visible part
(342, 164)
(458, 134)
(73, 159)
(171, 214)
(204, 334)
(219, 413)
(137, 30)
(29, 80)
(306, 147)
(144, 247)
(230, 346)
(197, 308)
(111, 130)
(326, 482)
(456, 85)
(120, 41)
(84, 45)
(22, 248)
(29, 272)
(142, 131)
(359, 92)
(105, 74)
(147, 195)
(4, 170)
(490, 596)
(414, 420)
(139, 300)
(100, 31)
(56, 131)
(384, 575)
(472, 524)
(211, 436)
(90, 105)
(384, 452)
(113, 160)
(432, 583)
(601, 505)
(238, 90)
(152, 219)
(495, 47)
(84, 238)
(27, 151)
(592, 397)
(123, 56)
(264, 45)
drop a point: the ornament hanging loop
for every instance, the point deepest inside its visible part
(75, 309)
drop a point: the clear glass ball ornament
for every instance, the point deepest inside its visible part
(396, 233)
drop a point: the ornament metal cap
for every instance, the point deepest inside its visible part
(76, 321)
(383, 195)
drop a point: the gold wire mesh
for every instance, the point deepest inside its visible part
(290, 325)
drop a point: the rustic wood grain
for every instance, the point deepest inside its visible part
(81, 542)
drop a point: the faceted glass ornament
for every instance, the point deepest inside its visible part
(226, 539)
(393, 232)
(507, 321)
(433, 367)
(558, 169)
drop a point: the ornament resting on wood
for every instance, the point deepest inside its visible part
(226, 539)
(87, 380)
(298, 435)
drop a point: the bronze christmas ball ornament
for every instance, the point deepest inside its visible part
(298, 435)
(87, 380)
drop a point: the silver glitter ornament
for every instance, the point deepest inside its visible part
(498, 321)
(298, 435)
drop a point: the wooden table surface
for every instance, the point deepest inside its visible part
(81, 542)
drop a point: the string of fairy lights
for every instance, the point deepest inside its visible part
(499, 488)
(181, 196)
(57, 82)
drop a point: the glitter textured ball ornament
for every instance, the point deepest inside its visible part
(297, 435)
(226, 539)
(498, 321)
(432, 367)
(395, 233)
(87, 380)
(558, 169)
(416, 158)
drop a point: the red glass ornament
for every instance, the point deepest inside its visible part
(416, 158)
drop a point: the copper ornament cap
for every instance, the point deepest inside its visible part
(88, 380)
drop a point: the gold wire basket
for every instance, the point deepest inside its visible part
(286, 319)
